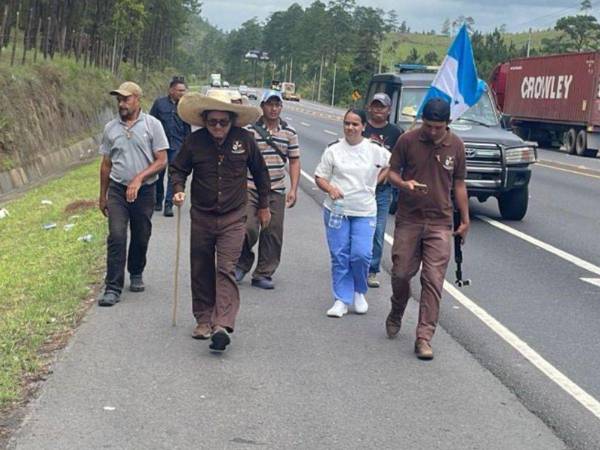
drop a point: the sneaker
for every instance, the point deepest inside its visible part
(202, 331)
(136, 284)
(372, 281)
(239, 275)
(360, 303)
(339, 309)
(219, 340)
(423, 349)
(158, 207)
(263, 283)
(110, 298)
(168, 211)
(392, 326)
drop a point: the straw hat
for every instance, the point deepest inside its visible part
(192, 105)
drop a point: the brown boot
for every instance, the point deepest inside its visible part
(202, 331)
(392, 325)
(423, 349)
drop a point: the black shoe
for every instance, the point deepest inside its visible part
(239, 275)
(110, 298)
(168, 211)
(219, 341)
(136, 283)
(263, 283)
(158, 207)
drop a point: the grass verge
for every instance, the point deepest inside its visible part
(45, 274)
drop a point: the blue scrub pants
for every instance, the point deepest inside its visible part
(350, 247)
(383, 194)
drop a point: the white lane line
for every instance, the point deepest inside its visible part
(330, 132)
(289, 119)
(570, 171)
(305, 124)
(555, 375)
(549, 248)
(594, 281)
(564, 382)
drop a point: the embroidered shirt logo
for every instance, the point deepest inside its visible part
(446, 161)
(237, 148)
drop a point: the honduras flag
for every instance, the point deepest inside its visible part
(456, 80)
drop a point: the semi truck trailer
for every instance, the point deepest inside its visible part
(552, 99)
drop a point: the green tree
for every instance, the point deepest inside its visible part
(582, 32)
(446, 27)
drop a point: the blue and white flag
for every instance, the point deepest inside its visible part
(456, 80)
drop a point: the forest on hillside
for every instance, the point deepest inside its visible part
(325, 44)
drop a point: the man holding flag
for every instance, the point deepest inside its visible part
(427, 164)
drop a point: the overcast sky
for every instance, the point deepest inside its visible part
(517, 15)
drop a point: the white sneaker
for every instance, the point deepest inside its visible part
(338, 309)
(360, 303)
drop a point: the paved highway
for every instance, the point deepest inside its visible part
(516, 362)
(530, 276)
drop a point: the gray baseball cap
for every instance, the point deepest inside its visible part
(382, 98)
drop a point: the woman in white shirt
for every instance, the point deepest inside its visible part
(349, 172)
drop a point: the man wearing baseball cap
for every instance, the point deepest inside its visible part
(380, 130)
(133, 151)
(427, 164)
(278, 144)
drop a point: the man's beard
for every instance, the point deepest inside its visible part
(125, 113)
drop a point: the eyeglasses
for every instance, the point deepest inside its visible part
(221, 122)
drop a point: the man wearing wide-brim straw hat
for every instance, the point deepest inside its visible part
(218, 156)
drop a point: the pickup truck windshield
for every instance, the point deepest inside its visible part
(483, 112)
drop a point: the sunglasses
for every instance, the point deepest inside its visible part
(221, 122)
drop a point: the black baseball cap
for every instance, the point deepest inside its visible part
(437, 109)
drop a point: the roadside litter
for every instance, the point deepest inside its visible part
(85, 238)
(47, 202)
(49, 226)
(68, 226)
(3, 213)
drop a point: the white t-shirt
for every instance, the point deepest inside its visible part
(354, 169)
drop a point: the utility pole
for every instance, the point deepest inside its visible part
(380, 59)
(529, 43)
(320, 79)
(314, 85)
(333, 91)
(291, 66)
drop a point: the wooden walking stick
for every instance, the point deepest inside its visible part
(176, 288)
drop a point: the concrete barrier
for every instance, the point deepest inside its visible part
(48, 164)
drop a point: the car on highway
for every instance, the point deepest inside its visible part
(498, 161)
(243, 89)
(225, 84)
(252, 94)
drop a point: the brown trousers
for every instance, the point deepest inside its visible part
(416, 243)
(215, 294)
(270, 240)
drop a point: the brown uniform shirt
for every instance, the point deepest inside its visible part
(416, 158)
(219, 171)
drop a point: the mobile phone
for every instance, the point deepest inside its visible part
(421, 187)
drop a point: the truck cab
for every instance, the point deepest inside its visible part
(288, 91)
(498, 161)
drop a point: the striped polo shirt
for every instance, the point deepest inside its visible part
(286, 140)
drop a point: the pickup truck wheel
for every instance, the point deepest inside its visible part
(569, 139)
(513, 204)
(581, 145)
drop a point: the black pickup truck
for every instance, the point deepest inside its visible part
(498, 161)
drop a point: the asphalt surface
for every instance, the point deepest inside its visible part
(293, 378)
(535, 294)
